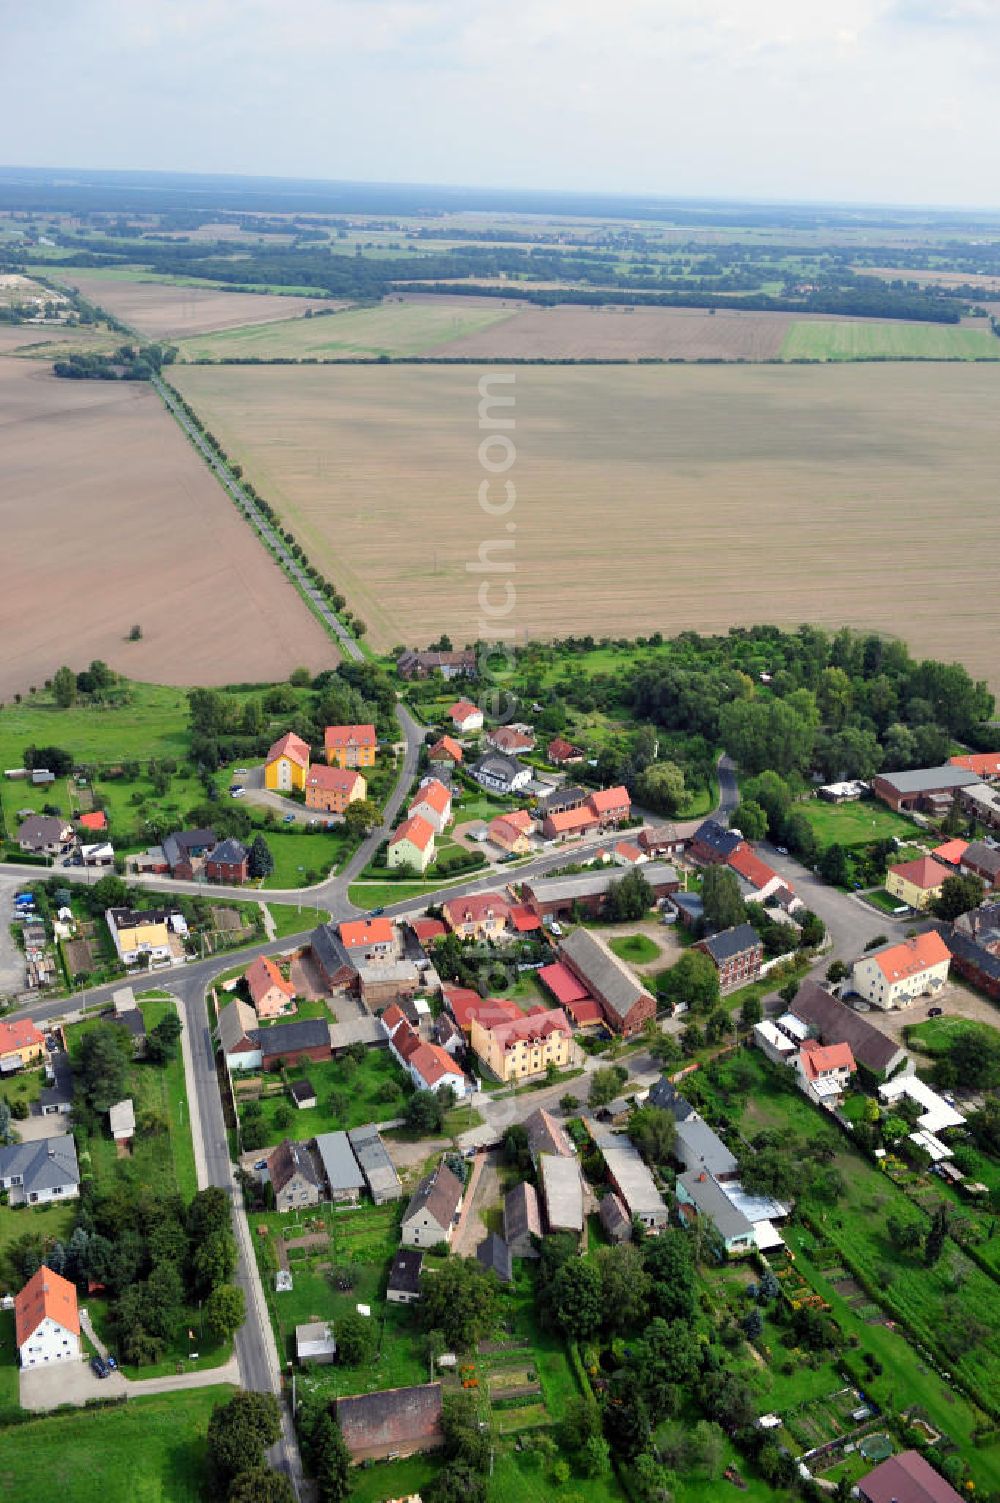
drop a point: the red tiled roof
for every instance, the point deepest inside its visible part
(474, 908)
(536, 1024)
(562, 983)
(416, 830)
(97, 820)
(951, 852)
(336, 737)
(907, 1478)
(924, 872)
(506, 738)
(817, 1058)
(46, 1295)
(503, 831)
(563, 751)
(446, 744)
(750, 866)
(984, 764)
(628, 851)
(465, 1004)
(434, 794)
(405, 1040)
(571, 819)
(335, 779)
(393, 1016)
(262, 974)
(603, 800)
(462, 709)
(427, 929)
(367, 931)
(18, 1035)
(291, 746)
(912, 956)
(433, 1063)
(523, 919)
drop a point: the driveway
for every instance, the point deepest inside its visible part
(485, 1193)
(12, 977)
(34, 1128)
(66, 1383)
(955, 1001)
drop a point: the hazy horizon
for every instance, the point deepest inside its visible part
(875, 102)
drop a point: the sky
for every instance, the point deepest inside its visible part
(872, 101)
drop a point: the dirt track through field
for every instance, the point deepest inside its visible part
(110, 519)
(163, 310)
(654, 497)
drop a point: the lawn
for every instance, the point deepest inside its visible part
(294, 918)
(855, 823)
(302, 858)
(809, 339)
(936, 1036)
(150, 1450)
(152, 723)
(638, 949)
(54, 1223)
(383, 894)
(883, 901)
(348, 1094)
(10, 1402)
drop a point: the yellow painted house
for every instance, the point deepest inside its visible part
(917, 883)
(23, 1039)
(350, 745)
(287, 765)
(525, 1047)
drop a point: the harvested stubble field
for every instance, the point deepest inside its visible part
(110, 519)
(396, 327)
(50, 341)
(860, 494)
(162, 310)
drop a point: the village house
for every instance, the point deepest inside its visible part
(331, 959)
(350, 745)
(526, 1046)
(403, 1287)
(46, 1320)
(369, 939)
(906, 1477)
(294, 1177)
(511, 833)
(512, 739)
(562, 753)
(824, 1071)
(625, 1004)
(896, 975)
(758, 881)
(916, 883)
(432, 802)
(430, 1067)
(712, 844)
(236, 1030)
(21, 1043)
(331, 790)
(445, 753)
(185, 850)
(151, 937)
(286, 764)
(982, 861)
(412, 844)
(390, 1422)
(433, 1211)
(546, 1135)
(522, 1220)
(929, 789)
(603, 809)
(737, 955)
(35, 1173)
(228, 863)
(833, 1022)
(498, 773)
(45, 835)
(981, 801)
(272, 996)
(480, 915)
(466, 717)
(450, 665)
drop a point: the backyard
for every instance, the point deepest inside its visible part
(855, 823)
(348, 1094)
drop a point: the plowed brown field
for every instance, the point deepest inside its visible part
(653, 497)
(163, 310)
(566, 332)
(110, 519)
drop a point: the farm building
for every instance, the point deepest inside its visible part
(522, 1221)
(546, 1135)
(626, 1005)
(344, 1180)
(982, 861)
(294, 1042)
(833, 1022)
(929, 789)
(555, 897)
(982, 802)
(450, 665)
(630, 1177)
(391, 1422)
(375, 1164)
(562, 1193)
(495, 1256)
(712, 844)
(614, 1218)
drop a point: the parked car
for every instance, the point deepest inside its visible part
(377, 912)
(782, 850)
(935, 1012)
(289, 819)
(110, 1363)
(98, 1366)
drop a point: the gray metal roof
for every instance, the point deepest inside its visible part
(631, 1174)
(376, 1165)
(698, 1147)
(591, 884)
(562, 1190)
(494, 1253)
(339, 1164)
(607, 976)
(711, 1202)
(300, 1033)
(921, 779)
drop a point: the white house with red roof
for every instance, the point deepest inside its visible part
(429, 1066)
(271, 995)
(445, 752)
(896, 975)
(627, 853)
(432, 801)
(512, 739)
(466, 717)
(511, 832)
(758, 880)
(412, 844)
(824, 1071)
(374, 938)
(46, 1320)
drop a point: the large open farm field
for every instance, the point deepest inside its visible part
(164, 310)
(109, 519)
(891, 339)
(410, 327)
(655, 497)
(50, 341)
